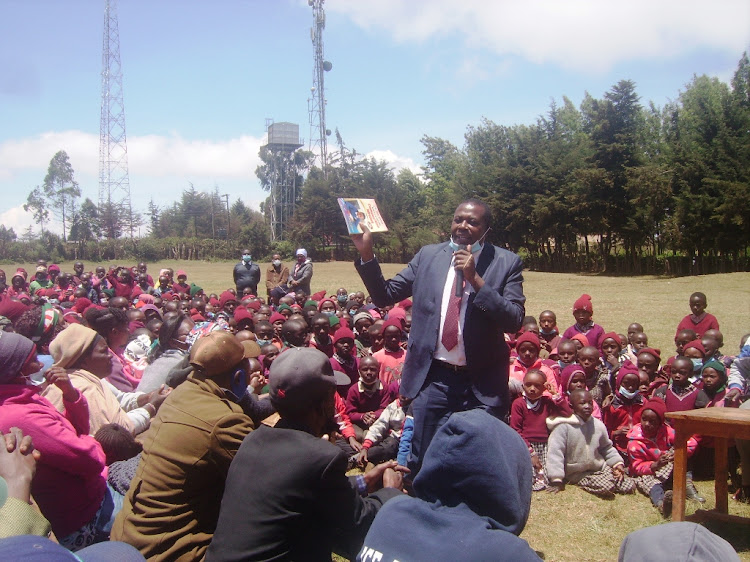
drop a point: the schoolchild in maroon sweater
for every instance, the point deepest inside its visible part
(700, 320)
(682, 395)
(624, 410)
(528, 416)
(367, 399)
(549, 335)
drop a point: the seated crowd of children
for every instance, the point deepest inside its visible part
(590, 404)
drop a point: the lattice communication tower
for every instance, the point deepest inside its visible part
(115, 207)
(283, 141)
(317, 102)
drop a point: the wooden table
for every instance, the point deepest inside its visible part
(720, 423)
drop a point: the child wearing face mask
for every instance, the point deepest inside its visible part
(695, 351)
(624, 410)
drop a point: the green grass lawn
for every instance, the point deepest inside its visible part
(574, 525)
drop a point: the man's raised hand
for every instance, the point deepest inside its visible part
(363, 243)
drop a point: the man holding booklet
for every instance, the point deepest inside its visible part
(466, 295)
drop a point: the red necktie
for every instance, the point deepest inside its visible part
(452, 317)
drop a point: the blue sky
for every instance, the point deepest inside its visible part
(200, 78)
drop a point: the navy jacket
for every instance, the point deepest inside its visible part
(497, 308)
(473, 497)
(287, 497)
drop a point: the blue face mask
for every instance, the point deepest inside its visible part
(627, 394)
(697, 364)
(342, 299)
(475, 247)
(329, 312)
(247, 258)
(262, 342)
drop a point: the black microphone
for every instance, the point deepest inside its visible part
(459, 283)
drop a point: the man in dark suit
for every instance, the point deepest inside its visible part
(246, 274)
(457, 358)
(287, 495)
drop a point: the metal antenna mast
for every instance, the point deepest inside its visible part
(317, 101)
(114, 184)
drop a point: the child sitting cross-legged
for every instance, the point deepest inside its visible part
(580, 452)
(383, 437)
(528, 416)
(651, 452)
(367, 399)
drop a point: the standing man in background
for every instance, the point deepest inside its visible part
(246, 274)
(277, 275)
(466, 295)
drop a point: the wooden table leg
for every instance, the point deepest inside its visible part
(720, 474)
(679, 475)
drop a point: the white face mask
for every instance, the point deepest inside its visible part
(37, 379)
(277, 263)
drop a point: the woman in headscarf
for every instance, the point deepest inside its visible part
(40, 324)
(301, 274)
(112, 325)
(84, 356)
(69, 486)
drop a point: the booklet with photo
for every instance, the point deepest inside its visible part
(362, 211)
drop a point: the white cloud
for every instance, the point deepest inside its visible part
(151, 155)
(589, 35)
(19, 220)
(394, 161)
(160, 167)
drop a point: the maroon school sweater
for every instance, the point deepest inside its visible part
(359, 403)
(531, 425)
(709, 322)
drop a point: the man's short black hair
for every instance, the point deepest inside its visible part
(479, 203)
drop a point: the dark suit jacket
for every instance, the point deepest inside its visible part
(497, 308)
(287, 497)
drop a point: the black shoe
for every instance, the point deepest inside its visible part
(692, 494)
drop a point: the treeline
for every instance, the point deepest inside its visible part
(613, 185)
